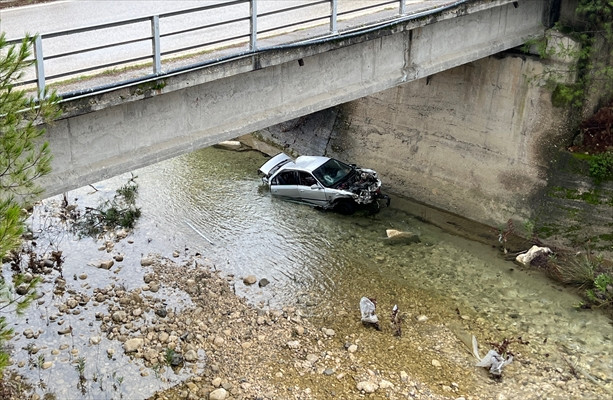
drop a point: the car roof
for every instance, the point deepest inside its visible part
(306, 163)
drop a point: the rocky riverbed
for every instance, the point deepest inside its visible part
(229, 349)
(121, 318)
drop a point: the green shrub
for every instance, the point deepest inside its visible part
(601, 167)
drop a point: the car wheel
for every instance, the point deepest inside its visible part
(345, 207)
(373, 208)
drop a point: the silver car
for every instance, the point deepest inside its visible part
(323, 182)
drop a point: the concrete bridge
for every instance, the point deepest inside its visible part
(105, 134)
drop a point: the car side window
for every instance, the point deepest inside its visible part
(306, 179)
(285, 178)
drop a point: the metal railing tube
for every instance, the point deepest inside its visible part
(402, 9)
(253, 11)
(155, 44)
(333, 16)
(40, 66)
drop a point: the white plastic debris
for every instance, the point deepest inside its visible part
(535, 251)
(495, 362)
(367, 308)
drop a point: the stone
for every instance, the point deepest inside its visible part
(150, 355)
(367, 386)
(146, 261)
(132, 345)
(191, 356)
(119, 316)
(263, 282)
(436, 363)
(176, 359)
(106, 264)
(229, 145)
(95, 340)
(249, 280)
(293, 344)
(65, 331)
(163, 337)
(218, 394)
(384, 384)
(401, 237)
(352, 348)
(328, 332)
(47, 365)
(148, 278)
(22, 289)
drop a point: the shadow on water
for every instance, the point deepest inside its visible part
(211, 201)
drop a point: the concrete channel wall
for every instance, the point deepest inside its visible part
(481, 141)
(105, 134)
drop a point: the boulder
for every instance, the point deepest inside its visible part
(218, 394)
(106, 264)
(229, 145)
(401, 237)
(132, 345)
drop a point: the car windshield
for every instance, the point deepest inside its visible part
(332, 172)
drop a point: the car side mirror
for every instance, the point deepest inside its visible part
(315, 186)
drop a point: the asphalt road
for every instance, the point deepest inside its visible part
(65, 15)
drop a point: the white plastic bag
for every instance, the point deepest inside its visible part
(367, 308)
(494, 362)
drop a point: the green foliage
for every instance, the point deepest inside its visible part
(593, 30)
(601, 293)
(591, 274)
(564, 95)
(577, 271)
(119, 212)
(24, 157)
(601, 167)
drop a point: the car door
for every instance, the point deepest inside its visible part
(311, 191)
(285, 184)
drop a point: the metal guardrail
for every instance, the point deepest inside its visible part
(246, 26)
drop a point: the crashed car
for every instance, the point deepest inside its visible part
(323, 182)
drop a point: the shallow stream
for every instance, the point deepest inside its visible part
(212, 202)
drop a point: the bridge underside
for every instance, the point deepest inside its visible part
(107, 134)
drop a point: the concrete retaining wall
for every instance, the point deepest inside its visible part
(480, 140)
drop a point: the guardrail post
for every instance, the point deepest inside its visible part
(333, 16)
(403, 9)
(253, 9)
(40, 66)
(155, 44)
